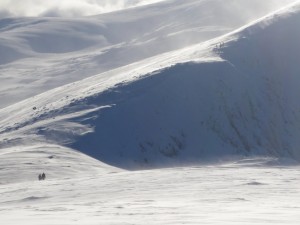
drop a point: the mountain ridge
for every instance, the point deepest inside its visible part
(45, 53)
(139, 118)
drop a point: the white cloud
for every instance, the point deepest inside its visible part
(65, 8)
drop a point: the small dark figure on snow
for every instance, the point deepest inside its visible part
(42, 176)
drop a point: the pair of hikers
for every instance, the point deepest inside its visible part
(42, 176)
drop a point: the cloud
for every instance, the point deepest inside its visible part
(5, 13)
(65, 8)
(75, 8)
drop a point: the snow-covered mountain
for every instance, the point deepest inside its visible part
(39, 54)
(208, 88)
(230, 96)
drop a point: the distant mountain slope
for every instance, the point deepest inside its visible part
(38, 54)
(229, 97)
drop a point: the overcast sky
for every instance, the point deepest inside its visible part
(64, 8)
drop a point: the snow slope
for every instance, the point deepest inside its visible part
(39, 54)
(21, 164)
(223, 195)
(225, 108)
(228, 97)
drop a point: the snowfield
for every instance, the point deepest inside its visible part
(228, 194)
(177, 112)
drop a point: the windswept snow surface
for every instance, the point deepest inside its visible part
(38, 54)
(236, 95)
(221, 195)
(222, 113)
(23, 163)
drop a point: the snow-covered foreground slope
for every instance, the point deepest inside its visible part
(228, 97)
(38, 54)
(229, 194)
(24, 163)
